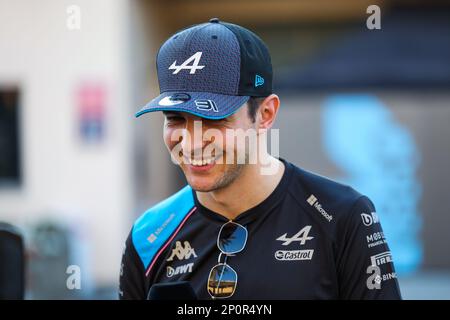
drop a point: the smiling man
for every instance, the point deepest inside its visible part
(248, 225)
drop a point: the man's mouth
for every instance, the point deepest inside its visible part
(199, 164)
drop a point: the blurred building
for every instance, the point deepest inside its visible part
(367, 107)
(68, 92)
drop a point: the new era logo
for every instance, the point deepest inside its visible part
(311, 200)
(259, 81)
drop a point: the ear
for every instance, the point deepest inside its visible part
(268, 111)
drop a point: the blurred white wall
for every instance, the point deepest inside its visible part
(87, 185)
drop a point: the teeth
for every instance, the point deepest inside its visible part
(203, 162)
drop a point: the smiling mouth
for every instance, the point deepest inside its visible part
(202, 160)
(198, 162)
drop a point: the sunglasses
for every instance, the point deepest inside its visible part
(222, 280)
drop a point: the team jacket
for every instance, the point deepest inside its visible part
(312, 238)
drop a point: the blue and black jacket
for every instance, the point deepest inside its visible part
(312, 238)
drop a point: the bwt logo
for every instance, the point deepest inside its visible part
(179, 270)
(369, 219)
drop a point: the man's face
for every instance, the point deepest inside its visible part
(212, 148)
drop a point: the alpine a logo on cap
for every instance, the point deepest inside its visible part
(195, 59)
(174, 99)
(220, 65)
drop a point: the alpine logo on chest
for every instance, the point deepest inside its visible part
(301, 237)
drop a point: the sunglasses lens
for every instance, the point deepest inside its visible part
(232, 238)
(222, 281)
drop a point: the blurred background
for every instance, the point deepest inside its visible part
(370, 108)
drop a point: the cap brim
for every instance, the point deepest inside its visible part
(202, 104)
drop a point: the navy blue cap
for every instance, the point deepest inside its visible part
(211, 70)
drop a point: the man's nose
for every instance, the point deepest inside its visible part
(192, 138)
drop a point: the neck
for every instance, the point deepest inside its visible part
(231, 201)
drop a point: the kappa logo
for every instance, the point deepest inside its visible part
(369, 219)
(301, 236)
(195, 59)
(206, 105)
(312, 200)
(182, 253)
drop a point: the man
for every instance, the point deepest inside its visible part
(247, 225)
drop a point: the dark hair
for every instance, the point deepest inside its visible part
(253, 106)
